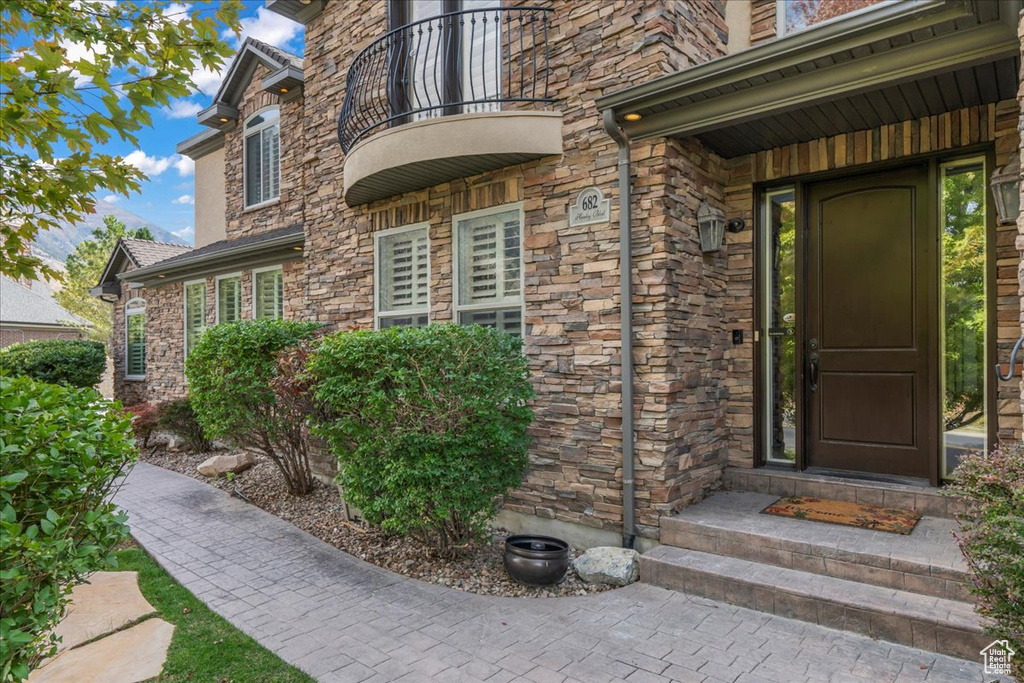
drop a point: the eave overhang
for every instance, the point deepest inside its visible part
(286, 83)
(779, 86)
(281, 248)
(302, 11)
(201, 144)
(219, 116)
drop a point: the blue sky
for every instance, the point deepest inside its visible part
(167, 197)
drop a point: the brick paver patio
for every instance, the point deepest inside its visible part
(341, 619)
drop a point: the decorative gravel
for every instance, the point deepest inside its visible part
(321, 514)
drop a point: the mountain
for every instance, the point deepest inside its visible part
(60, 242)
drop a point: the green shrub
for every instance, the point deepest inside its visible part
(992, 539)
(62, 449)
(72, 362)
(429, 425)
(178, 417)
(230, 374)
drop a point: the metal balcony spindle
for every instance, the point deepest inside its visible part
(422, 69)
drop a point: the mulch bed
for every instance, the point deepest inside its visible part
(321, 514)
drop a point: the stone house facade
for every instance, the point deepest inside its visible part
(615, 83)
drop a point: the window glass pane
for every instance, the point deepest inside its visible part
(270, 294)
(489, 259)
(135, 353)
(270, 165)
(229, 302)
(780, 314)
(195, 314)
(426, 76)
(481, 55)
(402, 270)
(510, 320)
(799, 14)
(404, 321)
(964, 312)
(253, 194)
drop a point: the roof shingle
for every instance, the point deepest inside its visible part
(19, 304)
(147, 252)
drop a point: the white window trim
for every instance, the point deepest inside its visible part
(130, 310)
(457, 252)
(266, 269)
(780, 17)
(184, 311)
(246, 132)
(216, 295)
(377, 313)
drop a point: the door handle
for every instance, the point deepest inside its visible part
(813, 358)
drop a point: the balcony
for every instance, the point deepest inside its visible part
(447, 97)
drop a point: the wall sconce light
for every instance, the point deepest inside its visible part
(1005, 184)
(711, 226)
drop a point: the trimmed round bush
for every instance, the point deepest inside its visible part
(429, 425)
(230, 374)
(72, 362)
(62, 449)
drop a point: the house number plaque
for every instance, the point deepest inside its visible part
(590, 208)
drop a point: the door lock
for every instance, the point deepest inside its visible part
(812, 344)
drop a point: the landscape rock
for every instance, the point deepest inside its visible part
(219, 465)
(129, 656)
(605, 565)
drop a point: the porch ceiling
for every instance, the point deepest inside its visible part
(897, 62)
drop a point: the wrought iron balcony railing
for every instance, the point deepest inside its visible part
(460, 62)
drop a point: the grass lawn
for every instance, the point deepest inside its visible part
(206, 648)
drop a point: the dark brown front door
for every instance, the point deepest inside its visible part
(869, 330)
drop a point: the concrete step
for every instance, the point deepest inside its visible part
(730, 523)
(925, 499)
(944, 626)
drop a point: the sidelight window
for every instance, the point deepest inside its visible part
(779, 248)
(195, 313)
(964, 368)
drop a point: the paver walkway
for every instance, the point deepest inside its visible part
(341, 619)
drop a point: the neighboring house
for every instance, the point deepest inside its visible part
(416, 167)
(27, 314)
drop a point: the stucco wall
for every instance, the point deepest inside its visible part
(210, 198)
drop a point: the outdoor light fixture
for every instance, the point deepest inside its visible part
(284, 89)
(633, 116)
(711, 225)
(1005, 184)
(297, 248)
(223, 120)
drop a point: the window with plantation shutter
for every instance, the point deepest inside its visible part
(262, 157)
(268, 293)
(229, 298)
(135, 339)
(195, 314)
(403, 277)
(489, 270)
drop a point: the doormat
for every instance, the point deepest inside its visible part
(891, 520)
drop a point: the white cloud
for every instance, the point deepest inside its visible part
(208, 82)
(187, 233)
(111, 198)
(75, 51)
(151, 166)
(184, 199)
(154, 166)
(269, 27)
(182, 109)
(184, 165)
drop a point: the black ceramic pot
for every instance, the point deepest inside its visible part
(536, 560)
